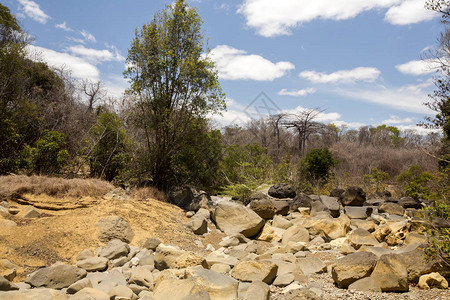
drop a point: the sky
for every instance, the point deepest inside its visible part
(360, 62)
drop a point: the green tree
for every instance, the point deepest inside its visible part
(416, 182)
(173, 85)
(316, 166)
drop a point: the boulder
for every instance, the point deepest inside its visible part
(366, 284)
(311, 265)
(115, 249)
(114, 227)
(90, 293)
(281, 207)
(7, 223)
(368, 225)
(268, 234)
(166, 256)
(257, 196)
(152, 243)
(5, 285)
(353, 196)
(35, 294)
(180, 196)
(264, 208)
(353, 267)
(198, 224)
(85, 253)
(56, 277)
(30, 212)
(337, 192)
(255, 271)
(392, 209)
(284, 279)
(218, 286)
(190, 259)
(79, 285)
(203, 200)
(408, 202)
(330, 229)
(391, 274)
(281, 191)
(93, 264)
(361, 237)
(120, 292)
(358, 212)
(432, 280)
(318, 208)
(257, 290)
(281, 222)
(296, 233)
(8, 269)
(141, 276)
(301, 200)
(232, 217)
(332, 204)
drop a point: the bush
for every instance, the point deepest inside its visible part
(416, 182)
(376, 178)
(316, 166)
(439, 245)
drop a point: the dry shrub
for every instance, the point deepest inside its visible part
(357, 160)
(148, 193)
(13, 186)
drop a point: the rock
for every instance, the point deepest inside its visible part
(330, 229)
(368, 225)
(5, 285)
(281, 207)
(115, 249)
(284, 280)
(432, 280)
(299, 293)
(8, 269)
(229, 241)
(391, 274)
(142, 276)
(257, 290)
(202, 200)
(85, 253)
(180, 196)
(218, 286)
(79, 285)
(255, 271)
(166, 257)
(296, 233)
(353, 196)
(392, 209)
(198, 225)
(91, 294)
(30, 212)
(311, 265)
(353, 267)
(120, 292)
(337, 192)
(415, 238)
(281, 191)
(221, 258)
(190, 259)
(301, 200)
(367, 284)
(332, 204)
(361, 237)
(357, 212)
(268, 234)
(281, 222)
(56, 277)
(152, 243)
(7, 223)
(93, 264)
(114, 227)
(317, 207)
(175, 289)
(233, 217)
(264, 208)
(408, 202)
(35, 294)
(257, 196)
(221, 268)
(381, 232)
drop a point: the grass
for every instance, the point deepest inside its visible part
(147, 193)
(14, 186)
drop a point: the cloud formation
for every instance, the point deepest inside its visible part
(95, 56)
(235, 64)
(297, 93)
(273, 18)
(418, 67)
(32, 10)
(343, 76)
(88, 36)
(63, 26)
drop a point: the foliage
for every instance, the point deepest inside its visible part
(109, 154)
(316, 166)
(48, 156)
(376, 178)
(416, 182)
(173, 85)
(439, 244)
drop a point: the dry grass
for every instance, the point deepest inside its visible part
(14, 186)
(147, 193)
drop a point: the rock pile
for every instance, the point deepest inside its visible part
(273, 249)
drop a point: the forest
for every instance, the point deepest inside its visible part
(160, 133)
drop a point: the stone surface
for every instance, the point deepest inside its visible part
(296, 233)
(268, 234)
(255, 271)
(85, 253)
(264, 208)
(8, 269)
(79, 285)
(203, 200)
(190, 259)
(330, 229)
(218, 286)
(432, 280)
(311, 265)
(198, 225)
(30, 212)
(166, 257)
(391, 274)
(115, 249)
(358, 212)
(91, 294)
(361, 237)
(281, 207)
(180, 196)
(281, 222)
(392, 209)
(281, 191)
(301, 200)
(152, 243)
(353, 267)
(353, 196)
(233, 217)
(5, 285)
(257, 290)
(142, 276)
(35, 294)
(367, 284)
(114, 227)
(56, 277)
(93, 264)
(332, 204)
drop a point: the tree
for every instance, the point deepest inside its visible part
(94, 91)
(316, 166)
(173, 84)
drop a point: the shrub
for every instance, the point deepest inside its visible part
(416, 182)
(376, 178)
(316, 166)
(439, 245)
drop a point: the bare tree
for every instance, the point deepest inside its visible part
(94, 90)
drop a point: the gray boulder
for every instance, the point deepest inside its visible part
(115, 249)
(180, 196)
(332, 204)
(56, 277)
(353, 196)
(264, 208)
(358, 212)
(391, 274)
(114, 227)
(353, 267)
(93, 264)
(281, 191)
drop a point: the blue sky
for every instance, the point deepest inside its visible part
(357, 60)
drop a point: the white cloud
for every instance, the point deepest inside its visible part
(116, 85)
(234, 115)
(95, 56)
(78, 66)
(32, 10)
(418, 67)
(321, 116)
(342, 76)
(409, 12)
(88, 36)
(63, 26)
(297, 93)
(273, 18)
(393, 120)
(408, 98)
(235, 64)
